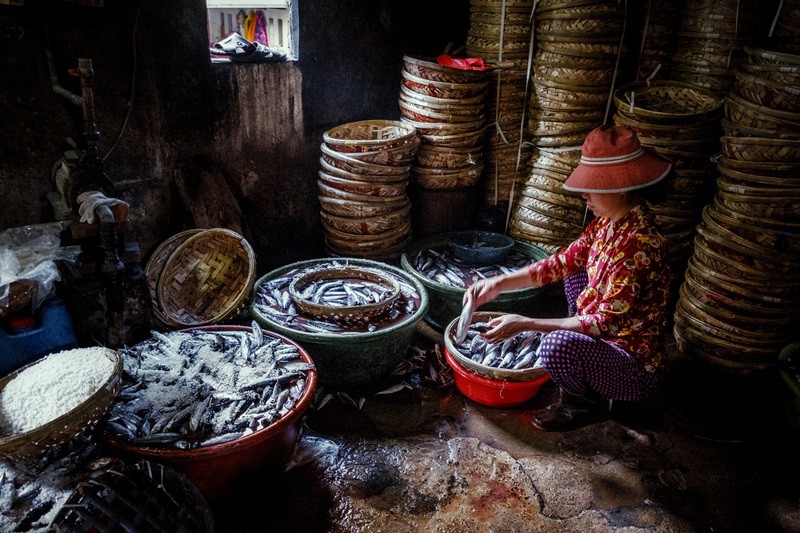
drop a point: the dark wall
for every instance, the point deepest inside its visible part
(260, 125)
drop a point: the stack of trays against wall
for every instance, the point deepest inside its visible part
(447, 108)
(500, 32)
(710, 40)
(741, 296)
(546, 214)
(362, 183)
(785, 35)
(680, 122)
(657, 37)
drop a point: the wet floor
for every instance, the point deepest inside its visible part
(715, 453)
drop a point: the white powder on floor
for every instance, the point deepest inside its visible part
(52, 387)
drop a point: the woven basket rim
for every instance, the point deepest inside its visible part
(770, 55)
(622, 106)
(438, 101)
(369, 168)
(233, 304)
(431, 63)
(476, 86)
(722, 333)
(330, 135)
(155, 264)
(757, 250)
(81, 417)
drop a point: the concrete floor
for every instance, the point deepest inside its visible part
(716, 454)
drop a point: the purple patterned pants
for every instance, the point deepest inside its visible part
(582, 365)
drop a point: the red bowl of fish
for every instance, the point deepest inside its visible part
(493, 392)
(216, 469)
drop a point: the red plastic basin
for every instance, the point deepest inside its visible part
(217, 469)
(492, 392)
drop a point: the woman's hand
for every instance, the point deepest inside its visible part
(483, 291)
(506, 326)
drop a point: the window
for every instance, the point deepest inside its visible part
(269, 22)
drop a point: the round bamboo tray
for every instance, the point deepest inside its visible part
(704, 130)
(496, 17)
(523, 214)
(399, 156)
(601, 51)
(441, 89)
(581, 77)
(711, 294)
(567, 214)
(442, 104)
(426, 115)
(686, 345)
(746, 113)
(554, 198)
(352, 209)
(545, 94)
(766, 186)
(428, 69)
(732, 129)
(432, 178)
(326, 191)
(758, 149)
(782, 237)
(361, 245)
(776, 207)
(446, 128)
(726, 265)
(765, 168)
(356, 166)
(596, 26)
(331, 170)
(728, 231)
(449, 158)
(461, 140)
(368, 135)
(768, 57)
(458, 108)
(743, 255)
(667, 101)
(367, 226)
(155, 264)
(555, 59)
(783, 74)
(365, 188)
(83, 417)
(768, 93)
(206, 278)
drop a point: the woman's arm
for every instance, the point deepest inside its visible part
(507, 326)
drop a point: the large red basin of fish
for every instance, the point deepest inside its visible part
(217, 469)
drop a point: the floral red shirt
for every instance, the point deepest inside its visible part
(625, 300)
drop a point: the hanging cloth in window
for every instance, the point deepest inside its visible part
(250, 26)
(261, 29)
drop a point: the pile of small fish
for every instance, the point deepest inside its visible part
(272, 299)
(200, 387)
(518, 352)
(440, 266)
(34, 489)
(345, 292)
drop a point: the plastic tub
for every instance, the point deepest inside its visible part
(445, 300)
(492, 392)
(217, 469)
(351, 358)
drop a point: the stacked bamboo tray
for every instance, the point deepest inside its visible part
(680, 122)
(362, 183)
(710, 40)
(741, 297)
(500, 32)
(545, 213)
(658, 33)
(447, 108)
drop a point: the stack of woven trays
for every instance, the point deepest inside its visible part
(680, 122)
(500, 32)
(658, 33)
(447, 108)
(362, 184)
(546, 214)
(786, 33)
(741, 295)
(710, 40)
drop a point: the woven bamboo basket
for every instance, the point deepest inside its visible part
(490, 30)
(783, 74)
(725, 265)
(713, 358)
(16, 296)
(139, 497)
(666, 101)
(761, 150)
(356, 166)
(768, 93)
(760, 56)
(83, 417)
(424, 115)
(776, 207)
(367, 226)
(427, 68)
(488, 46)
(746, 113)
(566, 98)
(368, 135)
(469, 140)
(365, 188)
(764, 168)
(448, 158)
(732, 129)
(441, 104)
(433, 178)
(326, 191)
(582, 77)
(351, 209)
(581, 115)
(368, 245)
(398, 156)
(544, 207)
(719, 85)
(441, 89)
(554, 59)
(744, 255)
(596, 26)
(155, 264)
(753, 189)
(556, 141)
(554, 198)
(446, 128)
(645, 128)
(207, 278)
(448, 106)
(777, 182)
(554, 224)
(511, 6)
(601, 51)
(496, 17)
(365, 178)
(542, 229)
(782, 237)
(547, 128)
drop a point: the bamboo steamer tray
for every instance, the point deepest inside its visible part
(761, 56)
(441, 89)
(783, 74)
(367, 226)
(386, 189)
(441, 104)
(206, 278)
(775, 207)
(369, 179)
(439, 179)
(768, 93)
(356, 166)
(427, 68)
(758, 149)
(350, 209)
(155, 264)
(81, 418)
(666, 101)
(367, 135)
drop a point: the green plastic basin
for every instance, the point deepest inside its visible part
(346, 359)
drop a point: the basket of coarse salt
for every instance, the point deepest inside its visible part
(55, 398)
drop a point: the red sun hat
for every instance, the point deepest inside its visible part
(613, 160)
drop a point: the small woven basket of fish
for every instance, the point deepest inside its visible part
(143, 496)
(344, 294)
(55, 398)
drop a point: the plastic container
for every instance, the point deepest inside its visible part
(53, 333)
(217, 469)
(445, 300)
(352, 358)
(480, 247)
(492, 392)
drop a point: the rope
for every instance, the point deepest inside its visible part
(616, 65)
(644, 37)
(775, 20)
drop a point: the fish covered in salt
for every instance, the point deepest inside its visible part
(193, 388)
(52, 387)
